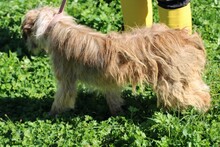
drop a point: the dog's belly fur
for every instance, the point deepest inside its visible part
(93, 77)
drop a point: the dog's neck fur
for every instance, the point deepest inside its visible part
(53, 22)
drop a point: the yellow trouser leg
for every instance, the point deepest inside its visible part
(137, 13)
(177, 18)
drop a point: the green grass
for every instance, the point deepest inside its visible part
(27, 86)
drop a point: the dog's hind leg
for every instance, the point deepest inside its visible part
(65, 97)
(114, 101)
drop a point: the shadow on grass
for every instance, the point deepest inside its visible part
(31, 109)
(24, 109)
(89, 103)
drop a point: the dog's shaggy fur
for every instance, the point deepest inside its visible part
(170, 60)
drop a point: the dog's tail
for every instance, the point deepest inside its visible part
(177, 50)
(181, 59)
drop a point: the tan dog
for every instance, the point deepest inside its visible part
(170, 60)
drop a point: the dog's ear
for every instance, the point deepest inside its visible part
(26, 30)
(27, 27)
(28, 22)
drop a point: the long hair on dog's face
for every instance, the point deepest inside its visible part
(34, 26)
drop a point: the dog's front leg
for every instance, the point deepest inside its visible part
(65, 97)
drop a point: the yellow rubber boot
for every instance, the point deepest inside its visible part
(177, 18)
(137, 13)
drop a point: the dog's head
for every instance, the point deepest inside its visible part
(34, 26)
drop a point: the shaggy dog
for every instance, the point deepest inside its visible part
(170, 60)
